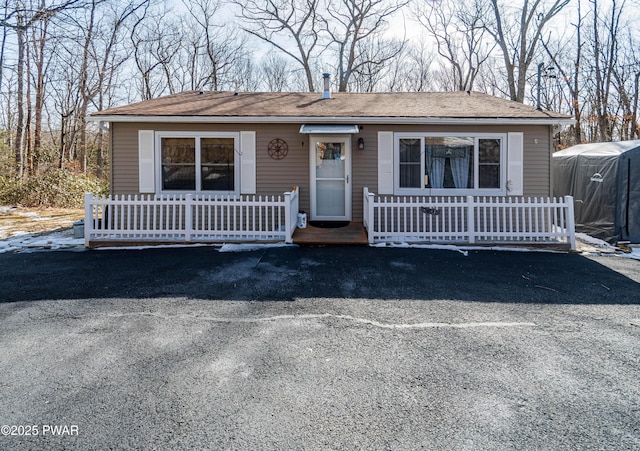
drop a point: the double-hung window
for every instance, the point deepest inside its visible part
(450, 164)
(204, 162)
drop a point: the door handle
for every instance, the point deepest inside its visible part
(347, 178)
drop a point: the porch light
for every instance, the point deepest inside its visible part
(360, 144)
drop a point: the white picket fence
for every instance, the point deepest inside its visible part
(190, 218)
(420, 219)
(469, 219)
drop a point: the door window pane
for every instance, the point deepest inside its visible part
(330, 160)
(330, 198)
(178, 163)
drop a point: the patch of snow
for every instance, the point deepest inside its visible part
(236, 247)
(31, 242)
(464, 250)
(17, 233)
(154, 246)
(583, 238)
(251, 247)
(634, 254)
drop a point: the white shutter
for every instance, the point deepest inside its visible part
(146, 162)
(385, 162)
(248, 162)
(515, 159)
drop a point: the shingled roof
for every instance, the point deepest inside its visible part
(398, 105)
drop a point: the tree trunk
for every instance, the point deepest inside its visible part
(17, 142)
(28, 143)
(4, 42)
(635, 131)
(40, 94)
(84, 88)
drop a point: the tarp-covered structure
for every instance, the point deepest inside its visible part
(604, 180)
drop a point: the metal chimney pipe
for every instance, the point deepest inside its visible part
(326, 94)
(538, 103)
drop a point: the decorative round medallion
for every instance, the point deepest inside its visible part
(278, 149)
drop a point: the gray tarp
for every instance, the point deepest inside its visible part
(604, 179)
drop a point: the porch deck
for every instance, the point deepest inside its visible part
(351, 234)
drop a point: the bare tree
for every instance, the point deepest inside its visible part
(27, 18)
(39, 40)
(355, 29)
(6, 17)
(569, 65)
(246, 75)
(108, 57)
(275, 72)
(66, 98)
(606, 27)
(88, 51)
(626, 77)
(412, 70)
(21, 36)
(517, 35)
(460, 34)
(220, 57)
(374, 65)
(148, 42)
(278, 22)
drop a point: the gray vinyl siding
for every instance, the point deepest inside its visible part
(537, 162)
(364, 167)
(274, 177)
(124, 158)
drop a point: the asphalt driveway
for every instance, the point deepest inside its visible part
(319, 348)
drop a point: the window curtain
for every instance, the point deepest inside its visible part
(436, 167)
(460, 169)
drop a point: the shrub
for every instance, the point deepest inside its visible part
(55, 188)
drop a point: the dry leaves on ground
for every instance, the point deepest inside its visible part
(18, 220)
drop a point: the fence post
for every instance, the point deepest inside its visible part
(365, 203)
(369, 214)
(188, 217)
(571, 222)
(88, 218)
(287, 218)
(471, 220)
(295, 207)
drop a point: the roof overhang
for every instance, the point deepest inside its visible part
(333, 120)
(306, 129)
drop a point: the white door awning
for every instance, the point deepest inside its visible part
(333, 129)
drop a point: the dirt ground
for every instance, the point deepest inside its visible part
(18, 220)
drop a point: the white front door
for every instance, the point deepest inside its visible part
(330, 177)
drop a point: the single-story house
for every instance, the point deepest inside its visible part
(332, 147)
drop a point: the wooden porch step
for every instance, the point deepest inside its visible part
(351, 234)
